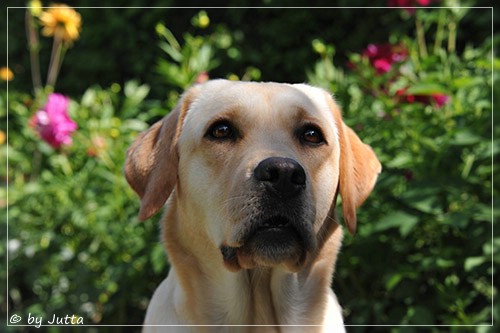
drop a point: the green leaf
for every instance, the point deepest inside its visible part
(393, 281)
(427, 205)
(172, 52)
(136, 92)
(465, 138)
(457, 220)
(408, 226)
(426, 89)
(467, 81)
(164, 32)
(158, 258)
(401, 161)
(421, 316)
(135, 125)
(398, 219)
(472, 262)
(88, 98)
(444, 263)
(424, 198)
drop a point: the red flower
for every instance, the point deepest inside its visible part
(408, 175)
(97, 147)
(439, 99)
(383, 56)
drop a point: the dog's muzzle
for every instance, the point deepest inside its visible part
(282, 232)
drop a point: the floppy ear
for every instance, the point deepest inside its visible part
(358, 169)
(152, 161)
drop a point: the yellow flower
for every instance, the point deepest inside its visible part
(61, 20)
(2, 137)
(35, 7)
(6, 74)
(203, 20)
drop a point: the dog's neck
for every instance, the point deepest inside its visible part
(261, 296)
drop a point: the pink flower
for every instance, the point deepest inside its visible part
(441, 99)
(53, 123)
(383, 56)
(382, 65)
(202, 77)
(408, 5)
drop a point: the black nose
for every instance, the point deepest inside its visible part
(283, 176)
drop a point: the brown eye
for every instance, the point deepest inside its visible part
(221, 130)
(312, 135)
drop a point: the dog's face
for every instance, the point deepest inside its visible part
(258, 165)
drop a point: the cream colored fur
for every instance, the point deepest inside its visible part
(213, 202)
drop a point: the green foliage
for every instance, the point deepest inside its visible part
(194, 58)
(275, 40)
(191, 63)
(73, 233)
(424, 248)
(425, 240)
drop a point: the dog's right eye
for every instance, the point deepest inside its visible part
(221, 130)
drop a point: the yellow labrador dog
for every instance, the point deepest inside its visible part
(250, 174)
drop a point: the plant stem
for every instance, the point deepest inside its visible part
(55, 59)
(452, 36)
(36, 165)
(439, 33)
(34, 47)
(421, 38)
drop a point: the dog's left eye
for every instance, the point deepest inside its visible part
(312, 135)
(221, 130)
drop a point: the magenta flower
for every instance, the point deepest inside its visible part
(53, 123)
(383, 56)
(408, 5)
(441, 99)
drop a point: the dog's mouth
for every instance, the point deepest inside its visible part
(270, 242)
(277, 224)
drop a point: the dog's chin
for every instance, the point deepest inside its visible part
(268, 246)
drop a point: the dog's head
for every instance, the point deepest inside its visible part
(258, 166)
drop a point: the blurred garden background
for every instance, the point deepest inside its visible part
(416, 84)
